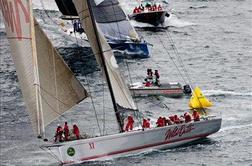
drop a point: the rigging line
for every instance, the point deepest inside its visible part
(44, 99)
(179, 57)
(131, 82)
(96, 116)
(51, 153)
(176, 54)
(166, 50)
(103, 99)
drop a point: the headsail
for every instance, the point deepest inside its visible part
(198, 100)
(48, 86)
(106, 59)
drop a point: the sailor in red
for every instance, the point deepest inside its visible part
(159, 7)
(160, 122)
(130, 123)
(176, 119)
(66, 131)
(196, 115)
(76, 131)
(187, 117)
(172, 119)
(146, 123)
(148, 84)
(58, 134)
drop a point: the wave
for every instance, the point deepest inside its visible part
(225, 93)
(235, 127)
(174, 21)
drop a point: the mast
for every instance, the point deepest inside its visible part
(40, 119)
(105, 69)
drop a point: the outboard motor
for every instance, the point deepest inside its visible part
(187, 89)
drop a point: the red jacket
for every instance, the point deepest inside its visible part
(76, 130)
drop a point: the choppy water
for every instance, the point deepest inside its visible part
(214, 39)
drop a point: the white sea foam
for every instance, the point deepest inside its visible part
(225, 93)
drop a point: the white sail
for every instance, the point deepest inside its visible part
(48, 86)
(120, 90)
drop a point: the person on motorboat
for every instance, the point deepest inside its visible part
(159, 8)
(149, 74)
(142, 7)
(135, 10)
(154, 7)
(157, 76)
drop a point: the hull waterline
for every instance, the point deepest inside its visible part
(117, 145)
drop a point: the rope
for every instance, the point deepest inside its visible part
(103, 104)
(96, 116)
(180, 59)
(166, 50)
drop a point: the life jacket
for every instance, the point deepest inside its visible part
(172, 118)
(188, 118)
(159, 122)
(130, 119)
(176, 119)
(76, 130)
(196, 116)
(146, 124)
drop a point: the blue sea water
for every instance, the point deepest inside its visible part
(214, 40)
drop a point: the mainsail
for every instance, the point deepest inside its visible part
(198, 100)
(119, 91)
(48, 86)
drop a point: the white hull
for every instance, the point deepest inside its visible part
(116, 145)
(169, 90)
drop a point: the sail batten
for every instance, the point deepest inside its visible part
(48, 86)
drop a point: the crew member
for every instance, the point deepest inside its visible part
(159, 7)
(196, 116)
(142, 7)
(160, 122)
(135, 10)
(176, 119)
(66, 131)
(187, 117)
(76, 131)
(146, 123)
(58, 134)
(130, 123)
(157, 76)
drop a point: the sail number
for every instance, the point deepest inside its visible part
(91, 145)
